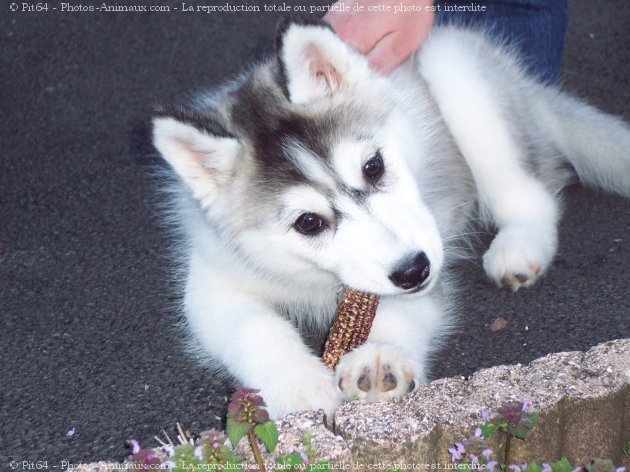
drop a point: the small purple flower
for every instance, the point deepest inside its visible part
(526, 404)
(512, 412)
(146, 458)
(247, 394)
(212, 438)
(246, 406)
(135, 446)
(475, 443)
(70, 433)
(491, 465)
(473, 459)
(620, 469)
(485, 414)
(304, 457)
(514, 467)
(456, 452)
(199, 452)
(170, 450)
(487, 453)
(260, 416)
(546, 467)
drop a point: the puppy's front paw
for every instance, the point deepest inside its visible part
(519, 255)
(310, 388)
(375, 371)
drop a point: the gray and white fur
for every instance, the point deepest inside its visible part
(311, 172)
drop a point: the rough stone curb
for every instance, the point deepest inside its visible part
(583, 398)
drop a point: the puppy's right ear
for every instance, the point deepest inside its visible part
(199, 151)
(315, 64)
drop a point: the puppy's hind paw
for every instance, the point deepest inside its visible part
(518, 256)
(377, 371)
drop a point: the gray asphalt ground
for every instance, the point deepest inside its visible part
(87, 339)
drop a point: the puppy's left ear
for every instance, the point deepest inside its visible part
(315, 63)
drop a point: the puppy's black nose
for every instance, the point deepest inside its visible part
(411, 272)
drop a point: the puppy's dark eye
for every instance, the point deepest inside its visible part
(374, 168)
(309, 224)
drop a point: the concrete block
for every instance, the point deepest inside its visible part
(583, 398)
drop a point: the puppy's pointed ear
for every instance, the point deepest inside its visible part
(315, 63)
(198, 149)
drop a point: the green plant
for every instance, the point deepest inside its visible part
(514, 421)
(247, 417)
(214, 450)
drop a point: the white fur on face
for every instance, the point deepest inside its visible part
(365, 239)
(371, 241)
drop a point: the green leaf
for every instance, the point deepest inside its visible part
(308, 446)
(532, 420)
(487, 429)
(268, 434)
(563, 465)
(184, 458)
(290, 460)
(235, 431)
(533, 467)
(519, 433)
(230, 457)
(502, 425)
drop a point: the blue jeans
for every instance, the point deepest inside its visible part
(535, 27)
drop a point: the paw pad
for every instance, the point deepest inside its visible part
(373, 372)
(364, 383)
(389, 382)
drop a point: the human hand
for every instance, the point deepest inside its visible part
(387, 38)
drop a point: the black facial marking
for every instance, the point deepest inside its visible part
(269, 123)
(358, 196)
(206, 121)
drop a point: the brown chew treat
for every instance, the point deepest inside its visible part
(351, 327)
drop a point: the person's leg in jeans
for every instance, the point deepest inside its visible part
(536, 27)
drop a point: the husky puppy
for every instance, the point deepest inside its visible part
(311, 173)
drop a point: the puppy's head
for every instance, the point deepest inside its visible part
(303, 166)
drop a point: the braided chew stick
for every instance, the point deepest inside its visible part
(352, 325)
